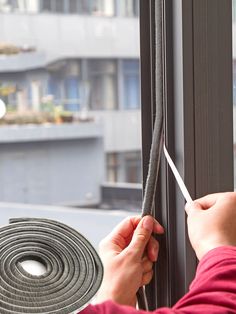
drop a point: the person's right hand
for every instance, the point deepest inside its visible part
(212, 222)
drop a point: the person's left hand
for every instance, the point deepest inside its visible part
(128, 253)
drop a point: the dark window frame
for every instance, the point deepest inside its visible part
(197, 63)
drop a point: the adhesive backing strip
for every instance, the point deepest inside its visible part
(73, 268)
(177, 176)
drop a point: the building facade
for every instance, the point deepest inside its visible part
(82, 56)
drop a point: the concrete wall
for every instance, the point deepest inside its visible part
(62, 36)
(52, 165)
(122, 129)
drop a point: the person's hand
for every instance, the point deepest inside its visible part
(128, 253)
(212, 222)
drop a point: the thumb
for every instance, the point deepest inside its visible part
(192, 207)
(141, 236)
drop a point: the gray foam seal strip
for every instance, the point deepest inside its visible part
(73, 268)
(158, 132)
(157, 139)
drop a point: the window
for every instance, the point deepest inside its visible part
(133, 167)
(71, 86)
(112, 167)
(73, 6)
(102, 7)
(55, 6)
(129, 7)
(59, 6)
(103, 89)
(234, 10)
(47, 5)
(124, 167)
(94, 7)
(131, 84)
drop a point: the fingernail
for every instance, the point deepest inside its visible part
(147, 223)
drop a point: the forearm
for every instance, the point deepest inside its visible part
(214, 288)
(212, 291)
(110, 307)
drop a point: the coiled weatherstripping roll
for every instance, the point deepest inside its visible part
(73, 269)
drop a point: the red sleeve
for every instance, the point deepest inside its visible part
(212, 291)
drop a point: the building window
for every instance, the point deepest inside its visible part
(71, 85)
(132, 167)
(124, 167)
(63, 84)
(103, 84)
(112, 167)
(129, 8)
(59, 6)
(131, 84)
(72, 93)
(53, 88)
(73, 6)
(47, 6)
(234, 10)
(95, 7)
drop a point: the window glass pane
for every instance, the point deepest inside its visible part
(131, 84)
(234, 10)
(112, 167)
(59, 6)
(96, 7)
(47, 5)
(136, 7)
(84, 6)
(73, 6)
(129, 7)
(102, 76)
(133, 167)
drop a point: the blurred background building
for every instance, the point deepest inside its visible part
(73, 61)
